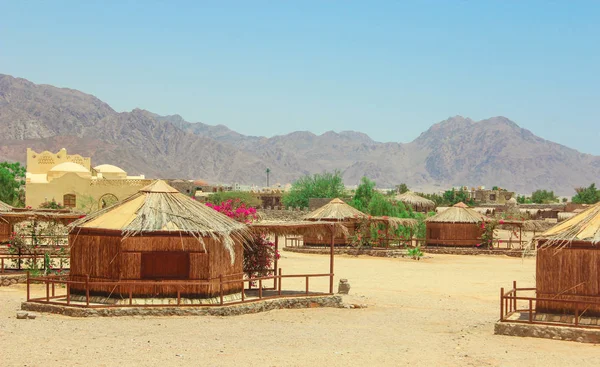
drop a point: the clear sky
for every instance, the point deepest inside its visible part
(386, 68)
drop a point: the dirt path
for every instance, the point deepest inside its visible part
(435, 312)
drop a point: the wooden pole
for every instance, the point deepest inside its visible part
(221, 288)
(275, 262)
(87, 290)
(515, 295)
(501, 304)
(331, 259)
(279, 283)
(27, 286)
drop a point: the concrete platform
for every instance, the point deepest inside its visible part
(555, 332)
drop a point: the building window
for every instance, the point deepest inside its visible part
(70, 201)
(165, 265)
(492, 197)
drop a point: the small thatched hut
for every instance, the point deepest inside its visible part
(6, 228)
(455, 226)
(416, 202)
(568, 264)
(335, 211)
(157, 235)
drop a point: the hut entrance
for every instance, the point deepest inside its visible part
(165, 265)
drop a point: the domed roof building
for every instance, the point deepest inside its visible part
(110, 171)
(68, 167)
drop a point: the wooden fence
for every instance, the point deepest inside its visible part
(512, 302)
(65, 299)
(16, 261)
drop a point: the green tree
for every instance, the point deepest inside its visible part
(363, 194)
(402, 188)
(452, 197)
(12, 180)
(522, 199)
(586, 195)
(543, 197)
(324, 185)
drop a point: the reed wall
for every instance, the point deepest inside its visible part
(6, 230)
(453, 234)
(570, 273)
(153, 258)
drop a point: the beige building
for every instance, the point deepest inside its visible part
(69, 179)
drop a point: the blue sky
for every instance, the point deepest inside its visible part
(386, 68)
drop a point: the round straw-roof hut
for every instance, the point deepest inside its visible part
(334, 211)
(456, 226)
(416, 202)
(6, 228)
(568, 264)
(157, 236)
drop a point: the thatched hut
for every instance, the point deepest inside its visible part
(6, 228)
(416, 202)
(157, 235)
(456, 226)
(568, 264)
(335, 211)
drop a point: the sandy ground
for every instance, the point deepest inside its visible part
(438, 311)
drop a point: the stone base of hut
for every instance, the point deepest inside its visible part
(155, 301)
(190, 310)
(576, 334)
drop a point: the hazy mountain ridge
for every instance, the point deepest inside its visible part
(457, 151)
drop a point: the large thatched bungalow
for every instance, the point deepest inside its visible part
(455, 226)
(157, 235)
(416, 202)
(568, 264)
(335, 211)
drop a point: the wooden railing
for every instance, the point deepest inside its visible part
(55, 282)
(512, 302)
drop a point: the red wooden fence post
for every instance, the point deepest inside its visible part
(221, 288)
(243, 289)
(87, 290)
(68, 292)
(307, 285)
(530, 310)
(330, 261)
(275, 261)
(515, 294)
(279, 283)
(27, 286)
(47, 290)
(501, 304)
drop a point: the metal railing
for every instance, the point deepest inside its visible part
(511, 303)
(54, 283)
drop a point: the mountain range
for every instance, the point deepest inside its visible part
(456, 151)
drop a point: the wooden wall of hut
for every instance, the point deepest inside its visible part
(326, 240)
(105, 257)
(570, 273)
(6, 230)
(453, 234)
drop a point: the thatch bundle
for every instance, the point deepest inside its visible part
(159, 207)
(335, 210)
(5, 207)
(457, 214)
(415, 201)
(299, 228)
(582, 227)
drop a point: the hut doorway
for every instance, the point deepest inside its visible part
(165, 265)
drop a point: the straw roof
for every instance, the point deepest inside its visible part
(159, 207)
(410, 198)
(457, 214)
(5, 207)
(584, 226)
(460, 205)
(300, 228)
(336, 209)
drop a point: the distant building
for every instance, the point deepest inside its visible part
(70, 180)
(481, 195)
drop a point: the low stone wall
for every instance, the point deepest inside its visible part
(403, 252)
(575, 334)
(233, 310)
(10, 279)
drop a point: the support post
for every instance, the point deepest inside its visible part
(260, 288)
(87, 290)
(515, 295)
(307, 284)
(47, 290)
(179, 296)
(576, 314)
(501, 304)
(221, 288)
(243, 290)
(279, 283)
(2, 265)
(530, 311)
(275, 262)
(331, 259)
(68, 293)
(28, 286)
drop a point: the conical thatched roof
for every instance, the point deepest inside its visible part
(457, 214)
(460, 205)
(584, 226)
(414, 200)
(160, 208)
(336, 209)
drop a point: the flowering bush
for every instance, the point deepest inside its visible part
(51, 205)
(487, 237)
(235, 209)
(259, 252)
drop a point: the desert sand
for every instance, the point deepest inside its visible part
(439, 311)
